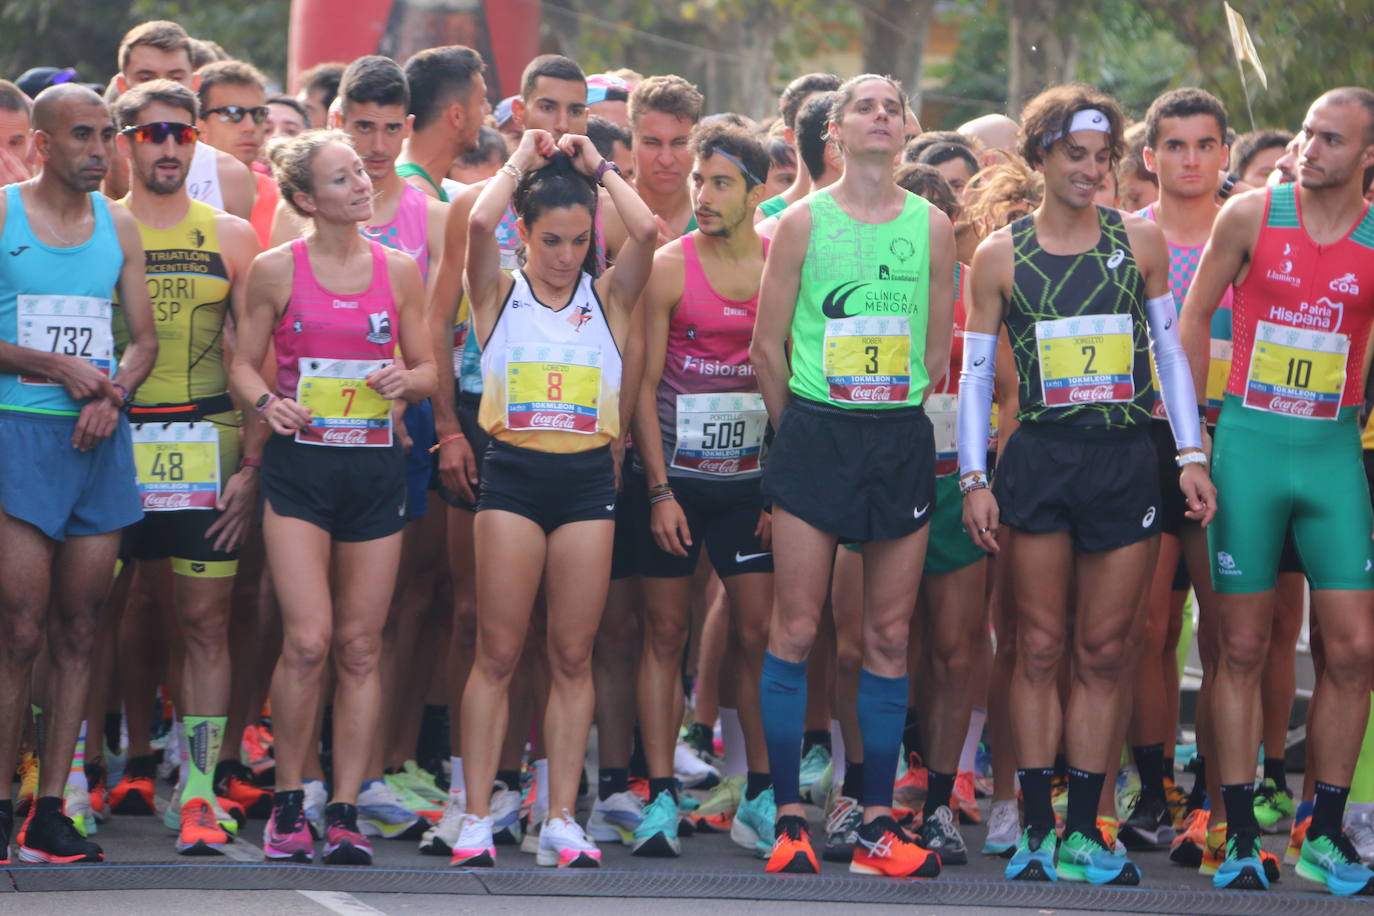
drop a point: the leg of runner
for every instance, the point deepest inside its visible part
(843, 629)
(1273, 800)
(666, 623)
(712, 659)
(616, 812)
(1004, 818)
(143, 652)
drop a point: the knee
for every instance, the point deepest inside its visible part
(753, 636)
(665, 634)
(75, 636)
(954, 651)
(794, 634)
(497, 662)
(570, 661)
(206, 632)
(1349, 662)
(355, 654)
(1039, 653)
(23, 636)
(305, 653)
(1105, 659)
(1243, 650)
(885, 640)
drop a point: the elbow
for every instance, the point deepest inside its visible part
(478, 224)
(644, 232)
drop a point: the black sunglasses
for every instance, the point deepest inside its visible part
(235, 113)
(159, 131)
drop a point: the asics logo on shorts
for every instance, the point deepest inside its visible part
(1149, 518)
(746, 557)
(921, 511)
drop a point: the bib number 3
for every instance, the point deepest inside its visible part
(868, 360)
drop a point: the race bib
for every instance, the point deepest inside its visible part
(553, 386)
(720, 433)
(943, 411)
(1218, 372)
(868, 360)
(178, 465)
(460, 341)
(1296, 371)
(1086, 359)
(70, 325)
(344, 410)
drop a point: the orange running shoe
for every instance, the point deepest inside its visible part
(133, 794)
(640, 786)
(1298, 835)
(792, 853)
(965, 798)
(1186, 849)
(712, 823)
(1214, 850)
(883, 848)
(233, 781)
(1109, 827)
(201, 834)
(909, 791)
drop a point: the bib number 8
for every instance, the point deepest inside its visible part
(555, 392)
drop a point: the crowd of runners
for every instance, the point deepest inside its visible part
(361, 446)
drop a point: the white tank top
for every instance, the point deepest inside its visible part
(202, 179)
(551, 378)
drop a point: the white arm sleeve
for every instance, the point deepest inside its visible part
(1175, 378)
(975, 400)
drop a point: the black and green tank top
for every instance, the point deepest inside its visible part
(1078, 330)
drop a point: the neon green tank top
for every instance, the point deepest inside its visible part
(859, 329)
(189, 287)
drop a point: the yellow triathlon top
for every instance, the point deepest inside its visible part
(189, 287)
(1367, 434)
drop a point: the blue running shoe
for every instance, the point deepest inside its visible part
(656, 834)
(1084, 857)
(1333, 861)
(1033, 859)
(1242, 869)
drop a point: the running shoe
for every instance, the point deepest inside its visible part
(941, 835)
(28, 777)
(534, 811)
(1059, 798)
(909, 791)
(228, 814)
(1298, 833)
(616, 818)
(1177, 800)
(76, 804)
(422, 782)
(100, 790)
(1273, 806)
(791, 852)
(701, 738)
(964, 799)
(133, 794)
(1150, 825)
(1241, 869)
(505, 814)
(199, 832)
(473, 847)
(1359, 827)
(816, 767)
(1186, 849)
(656, 834)
(344, 844)
(234, 780)
(691, 771)
(256, 749)
(1004, 828)
(1110, 828)
(1085, 857)
(1033, 859)
(381, 813)
(1126, 795)
(439, 840)
(286, 838)
(563, 843)
(1334, 862)
(754, 823)
(885, 849)
(316, 797)
(412, 801)
(842, 829)
(49, 837)
(1214, 849)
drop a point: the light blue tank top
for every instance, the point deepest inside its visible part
(55, 299)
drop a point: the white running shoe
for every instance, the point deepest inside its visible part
(316, 797)
(76, 804)
(439, 840)
(691, 771)
(381, 813)
(505, 814)
(474, 846)
(563, 843)
(1004, 829)
(1359, 827)
(616, 819)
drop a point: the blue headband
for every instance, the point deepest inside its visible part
(744, 170)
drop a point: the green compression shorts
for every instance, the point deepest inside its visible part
(950, 547)
(1273, 472)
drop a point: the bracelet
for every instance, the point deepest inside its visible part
(247, 462)
(1187, 458)
(445, 441)
(660, 488)
(124, 392)
(973, 480)
(513, 170)
(661, 497)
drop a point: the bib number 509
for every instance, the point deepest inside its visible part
(723, 435)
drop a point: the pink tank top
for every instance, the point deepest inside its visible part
(408, 230)
(322, 324)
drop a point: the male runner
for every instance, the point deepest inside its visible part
(821, 159)
(1254, 154)
(162, 50)
(613, 142)
(861, 278)
(285, 118)
(1288, 460)
(1079, 286)
(448, 98)
(790, 105)
(609, 97)
(316, 89)
(15, 109)
(663, 111)
(233, 119)
(198, 495)
(699, 427)
(67, 469)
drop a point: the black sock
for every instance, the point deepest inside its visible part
(1197, 798)
(1085, 791)
(1327, 810)
(853, 780)
(510, 777)
(639, 766)
(658, 786)
(1274, 769)
(1035, 791)
(756, 783)
(1149, 760)
(610, 780)
(813, 737)
(940, 786)
(7, 807)
(1168, 768)
(1240, 810)
(1061, 766)
(911, 733)
(51, 804)
(113, 721)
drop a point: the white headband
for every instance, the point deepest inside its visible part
(1085, 119)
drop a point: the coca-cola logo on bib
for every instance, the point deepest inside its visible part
(552, 420)
(167, 501)
(344, 436)
(1292, 407)
(1088, 395)
(720, 465)
(871, 393)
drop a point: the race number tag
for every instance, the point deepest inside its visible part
(1085, 360)
(70, 325)
(720, 433)
(460, 342)
(344, 410)
(553, 386)
(1296, 371)
(868, 360)
(943, 411)
(178, 465)
(1218, 373)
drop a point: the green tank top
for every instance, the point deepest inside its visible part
(859, 329)
(773, 206)
(409, 169)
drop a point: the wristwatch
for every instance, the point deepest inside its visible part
(1228, 185)
(1188, 458)
(262, 402)
(606, 166)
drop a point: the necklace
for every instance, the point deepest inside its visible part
(59, 236)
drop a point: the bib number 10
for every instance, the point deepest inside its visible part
(1299, 373)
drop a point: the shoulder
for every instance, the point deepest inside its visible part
(229, 167)
(1242, 213)
(1142, 232)
(796, 219)
(120, 216)
(232, 229)
(274, 261)
(997, 245)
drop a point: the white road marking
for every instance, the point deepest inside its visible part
(342, 903)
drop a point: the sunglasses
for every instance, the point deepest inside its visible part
(159, 131)
(236, 113)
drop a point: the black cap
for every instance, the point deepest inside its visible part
(36, 79)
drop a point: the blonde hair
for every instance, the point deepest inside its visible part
(293, 158)
(999, 193)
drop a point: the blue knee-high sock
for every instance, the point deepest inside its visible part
(782, 696)
(882, 716)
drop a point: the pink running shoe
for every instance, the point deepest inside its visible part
(344, 843)
(286, 838)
